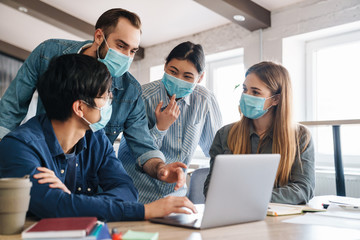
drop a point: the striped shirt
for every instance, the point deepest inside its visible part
(197, 124)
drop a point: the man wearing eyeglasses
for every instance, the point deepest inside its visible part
(67, 154)
(116, 40)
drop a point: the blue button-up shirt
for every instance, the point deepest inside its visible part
(197, 124)
(128, 113)
(34, 144)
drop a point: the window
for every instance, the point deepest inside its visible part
(225, 71)
(156, 72)
(8, 70)
(332, 93)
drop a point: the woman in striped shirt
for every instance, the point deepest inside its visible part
(181, 115)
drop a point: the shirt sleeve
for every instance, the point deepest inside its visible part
(138, 136)
(15, 102)
(157, 135)
(300, 188)
(213, 122)
(116, 203)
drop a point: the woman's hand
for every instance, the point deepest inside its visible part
(48, 176)
(165, 118)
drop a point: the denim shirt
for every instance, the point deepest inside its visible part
(128, 108)
(34, 144)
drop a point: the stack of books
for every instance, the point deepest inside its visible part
(67, 228)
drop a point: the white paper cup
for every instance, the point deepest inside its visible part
(14, 203)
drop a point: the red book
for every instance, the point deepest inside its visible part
(61, 227)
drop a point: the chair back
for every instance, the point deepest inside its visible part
(195, 192)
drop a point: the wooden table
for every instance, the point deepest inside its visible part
(270, 228)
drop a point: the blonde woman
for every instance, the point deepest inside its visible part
(266, 126)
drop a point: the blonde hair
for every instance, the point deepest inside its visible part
(285, 133)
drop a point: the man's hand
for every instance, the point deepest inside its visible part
(168, 116)
(170, 204)
(172, 173)
(48, 176)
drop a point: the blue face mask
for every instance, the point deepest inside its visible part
(105, 114)
(177, 86)
(253, 107)
(117, 63)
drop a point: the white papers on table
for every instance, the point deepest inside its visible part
(335, 216)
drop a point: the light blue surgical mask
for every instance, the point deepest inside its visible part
(177, 86)
(105, 115)
(253, 107)
(117, 63)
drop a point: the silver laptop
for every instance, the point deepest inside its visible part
(239, 191)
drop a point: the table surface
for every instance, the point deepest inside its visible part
(270, 228)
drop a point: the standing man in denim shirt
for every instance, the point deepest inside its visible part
(116, 40)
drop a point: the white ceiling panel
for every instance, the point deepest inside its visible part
(162, 20)
(25, 31)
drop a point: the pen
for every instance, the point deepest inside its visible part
(325, 206)
(271, 212)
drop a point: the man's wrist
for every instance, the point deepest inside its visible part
(152, 166)
(158, 166)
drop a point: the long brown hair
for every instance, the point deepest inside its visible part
(285, 133)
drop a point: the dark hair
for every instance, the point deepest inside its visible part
(191, 52)
(109, 19)
(70, 78)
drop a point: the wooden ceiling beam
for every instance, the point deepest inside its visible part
(13, 51)
(256, 17)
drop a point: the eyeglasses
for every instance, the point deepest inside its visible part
(108, 98)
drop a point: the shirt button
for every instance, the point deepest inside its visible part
(79, 189)
(77, 164)
(62, 171)
(89, 189)
(114, 132)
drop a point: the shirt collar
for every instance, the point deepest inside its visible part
(252, 131)
(86, 45)
(52, 142)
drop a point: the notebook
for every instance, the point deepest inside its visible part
(278, 209)
(60, 227)
(239, 191)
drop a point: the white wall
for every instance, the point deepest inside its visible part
(304, 17)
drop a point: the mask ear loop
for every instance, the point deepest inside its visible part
(97, 50)
(269, 98)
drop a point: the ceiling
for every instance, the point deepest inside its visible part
(162, 20)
